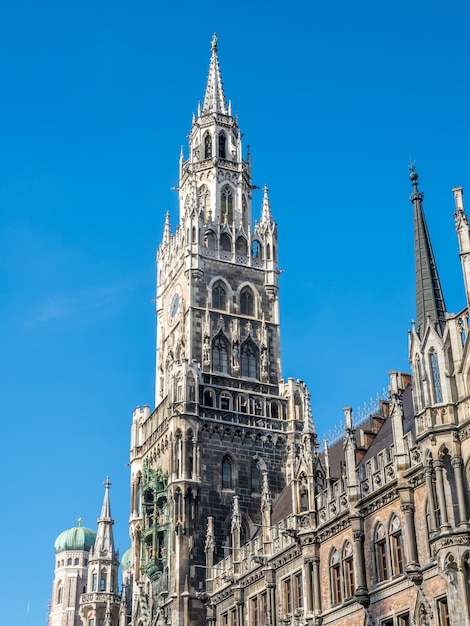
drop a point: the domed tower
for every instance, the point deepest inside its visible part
(72, 548)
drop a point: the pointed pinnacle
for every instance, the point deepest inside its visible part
(214, 99)
(266, 210)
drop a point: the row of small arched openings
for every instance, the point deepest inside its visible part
(241, 403)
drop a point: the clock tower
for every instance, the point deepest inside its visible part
(227, 433)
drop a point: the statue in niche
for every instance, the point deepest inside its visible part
(235, 357)
(206, 351)
(264, 362)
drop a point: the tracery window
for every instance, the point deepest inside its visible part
(208, 147)
(220, 354)
(435, 375)
(205, 202)
(396, 546)
(247, 302)
(381, 553)
(222, 145)
(94, 586)
(348, 571)
(335, 578)
(103, 581)
(226, 205)
(249, 359)
(219, 296)
(298, 591)
(227, 473)
(419, 374)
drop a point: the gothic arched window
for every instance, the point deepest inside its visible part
(381, 553)
(247, 302)
(59, 593)
(210, 240)
(208, 147)
(249, 359)
(205, 202)
(219, 296)
(241, 246)
(226, 243)
(419, 374)
(222, 145)
(255, 478)
(396, 546)
(226, 473)
(348, 571)
(244, 213)
(226, 205)
(103, 581)
(220, 354)
(435, 375)
(335, 578)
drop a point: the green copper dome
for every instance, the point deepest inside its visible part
(77, 538)
(126, 559)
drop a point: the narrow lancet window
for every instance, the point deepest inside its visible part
(436, 376)
(208, 147)
(222, 146)
(226, 205)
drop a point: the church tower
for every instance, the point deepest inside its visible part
(227, 433)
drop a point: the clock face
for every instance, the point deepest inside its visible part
(174, 305)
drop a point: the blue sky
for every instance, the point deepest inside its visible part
(333, 98)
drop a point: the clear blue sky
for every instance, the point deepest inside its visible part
(96, 99)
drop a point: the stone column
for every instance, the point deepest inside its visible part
(316, 585)
(441, 498)
(361, 591)
(431, 499)
(409, 511)
(307, 576)
(457, 464)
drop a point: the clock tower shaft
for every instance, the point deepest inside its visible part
(217, 443)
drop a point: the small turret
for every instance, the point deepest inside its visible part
(463, 234)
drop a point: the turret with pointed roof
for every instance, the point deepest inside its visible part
(429, 297)
(101, 601)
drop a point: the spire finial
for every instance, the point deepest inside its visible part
(214, 99)
(266, 209)
(80, 521)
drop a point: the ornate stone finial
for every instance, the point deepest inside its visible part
(214, 42)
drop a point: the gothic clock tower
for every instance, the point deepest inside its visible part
(227, 433)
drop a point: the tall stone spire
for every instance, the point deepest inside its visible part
(214, 99)
(104, 537)
(429, 297)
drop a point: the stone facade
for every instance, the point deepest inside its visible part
(238, 516)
